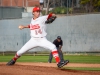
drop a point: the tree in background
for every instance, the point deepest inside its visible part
(69, 4)
(53, 3)
(90, 5)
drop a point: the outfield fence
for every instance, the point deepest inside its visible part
(80, 33)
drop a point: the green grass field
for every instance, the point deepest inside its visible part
(73, 58)
(92, 59)
(44, 58)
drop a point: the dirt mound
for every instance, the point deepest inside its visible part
(19, 69)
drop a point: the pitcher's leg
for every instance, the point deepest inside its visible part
(48, 45)
(29, 45)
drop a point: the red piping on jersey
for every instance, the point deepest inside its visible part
(50, 15)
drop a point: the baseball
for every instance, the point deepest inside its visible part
(19, 27)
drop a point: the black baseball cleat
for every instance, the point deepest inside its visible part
(62, 63)
(11, 62)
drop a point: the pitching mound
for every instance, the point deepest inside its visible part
(36, 69)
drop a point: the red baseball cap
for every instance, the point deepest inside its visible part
(36, 9)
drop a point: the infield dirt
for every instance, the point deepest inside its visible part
(45, 69)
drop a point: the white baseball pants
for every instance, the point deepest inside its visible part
(35, 42)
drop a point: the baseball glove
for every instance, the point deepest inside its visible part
(50, 20)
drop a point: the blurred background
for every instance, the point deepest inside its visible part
(78, 24)
(69, 7)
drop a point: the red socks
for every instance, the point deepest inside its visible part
(56, 56)
(16, 57)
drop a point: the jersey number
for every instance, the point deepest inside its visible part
(38, 31)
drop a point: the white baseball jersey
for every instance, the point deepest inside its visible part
(38, 27)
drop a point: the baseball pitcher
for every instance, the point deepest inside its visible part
(38, 37)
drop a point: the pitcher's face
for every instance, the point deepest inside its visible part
(36, 14)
